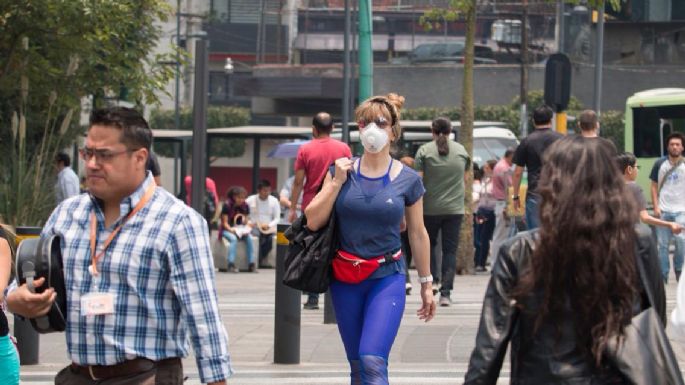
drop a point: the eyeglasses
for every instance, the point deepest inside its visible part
(101, 156)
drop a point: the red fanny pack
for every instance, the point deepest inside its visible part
(349, 268)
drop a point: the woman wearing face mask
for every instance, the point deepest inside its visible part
(370, 196)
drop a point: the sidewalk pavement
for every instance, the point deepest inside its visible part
(424, 353)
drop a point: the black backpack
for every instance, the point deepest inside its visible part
(210, 205)
(309, 256)
(42, 257)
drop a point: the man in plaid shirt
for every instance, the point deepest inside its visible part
(138, 270)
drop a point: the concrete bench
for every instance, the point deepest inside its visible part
(220, 252)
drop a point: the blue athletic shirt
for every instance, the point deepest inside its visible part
(369, 224)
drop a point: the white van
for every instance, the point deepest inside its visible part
(490, 139)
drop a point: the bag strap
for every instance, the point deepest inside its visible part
(668, 173)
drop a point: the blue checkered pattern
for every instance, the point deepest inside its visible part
(160, 269)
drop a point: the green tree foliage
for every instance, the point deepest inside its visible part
(54, 53)
(217, 117)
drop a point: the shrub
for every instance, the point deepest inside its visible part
(217, 117)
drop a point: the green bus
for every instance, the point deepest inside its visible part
(650, 117)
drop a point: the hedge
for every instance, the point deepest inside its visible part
(217, 117)
(611, 122)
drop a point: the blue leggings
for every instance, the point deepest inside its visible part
(369, 315)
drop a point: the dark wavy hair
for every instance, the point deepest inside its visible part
(585, 253)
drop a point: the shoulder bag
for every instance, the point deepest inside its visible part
(644, 355)
(309, 255)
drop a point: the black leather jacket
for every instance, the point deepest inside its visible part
(551, 356)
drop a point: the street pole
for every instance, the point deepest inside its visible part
(560, 26)
(200, 126)
(346, 76)
(524, 69)
(365, 50)
(599, 60)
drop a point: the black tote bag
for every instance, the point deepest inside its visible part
(644, 356)
(309, 256)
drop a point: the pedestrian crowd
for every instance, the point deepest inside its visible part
(568, 278)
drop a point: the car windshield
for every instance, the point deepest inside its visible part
(485, 149)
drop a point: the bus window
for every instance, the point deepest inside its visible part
(651, 127)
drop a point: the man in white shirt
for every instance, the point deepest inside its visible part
(67, 184)
(668, 198)
(284, 198)
(265, 213)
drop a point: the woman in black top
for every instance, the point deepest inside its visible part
(558, 294)
(9, 360)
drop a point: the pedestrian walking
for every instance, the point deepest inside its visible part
(501, 181)
(265, 213)
(588, 123)
(138, 270)
(211, 201)
(528, 156)
(442, 163)
(284, 199)
(9, 359)
(235, 226)
(408, 161)
(628, 163)
(485, 216)
(153, 166)
(370, 196)
(558, 299)
(668, 197)
(67, 184)
(311, 165)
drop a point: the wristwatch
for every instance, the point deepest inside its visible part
(426, 279)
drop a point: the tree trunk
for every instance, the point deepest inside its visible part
(466, 250)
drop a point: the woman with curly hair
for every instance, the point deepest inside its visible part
(559, 293)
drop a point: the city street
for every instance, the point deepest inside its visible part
(432, 353)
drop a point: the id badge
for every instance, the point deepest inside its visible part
(97, 304)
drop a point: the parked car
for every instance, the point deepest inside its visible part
(449, 52)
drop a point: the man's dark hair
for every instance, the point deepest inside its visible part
(587, 120)
(509, 152)
(323, 123)
(64, 158)
(135, 132)
(263, 183)
(542, 115)
(676, 135)
(625, 159)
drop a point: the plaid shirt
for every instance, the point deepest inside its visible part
(160, 270)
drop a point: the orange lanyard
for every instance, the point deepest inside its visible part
(93, 228)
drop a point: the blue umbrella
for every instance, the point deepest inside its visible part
(286, 150)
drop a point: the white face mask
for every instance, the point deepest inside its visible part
(373, 138)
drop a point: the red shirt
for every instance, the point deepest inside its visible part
(314, 158)
(210, 185)
(501, 180)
